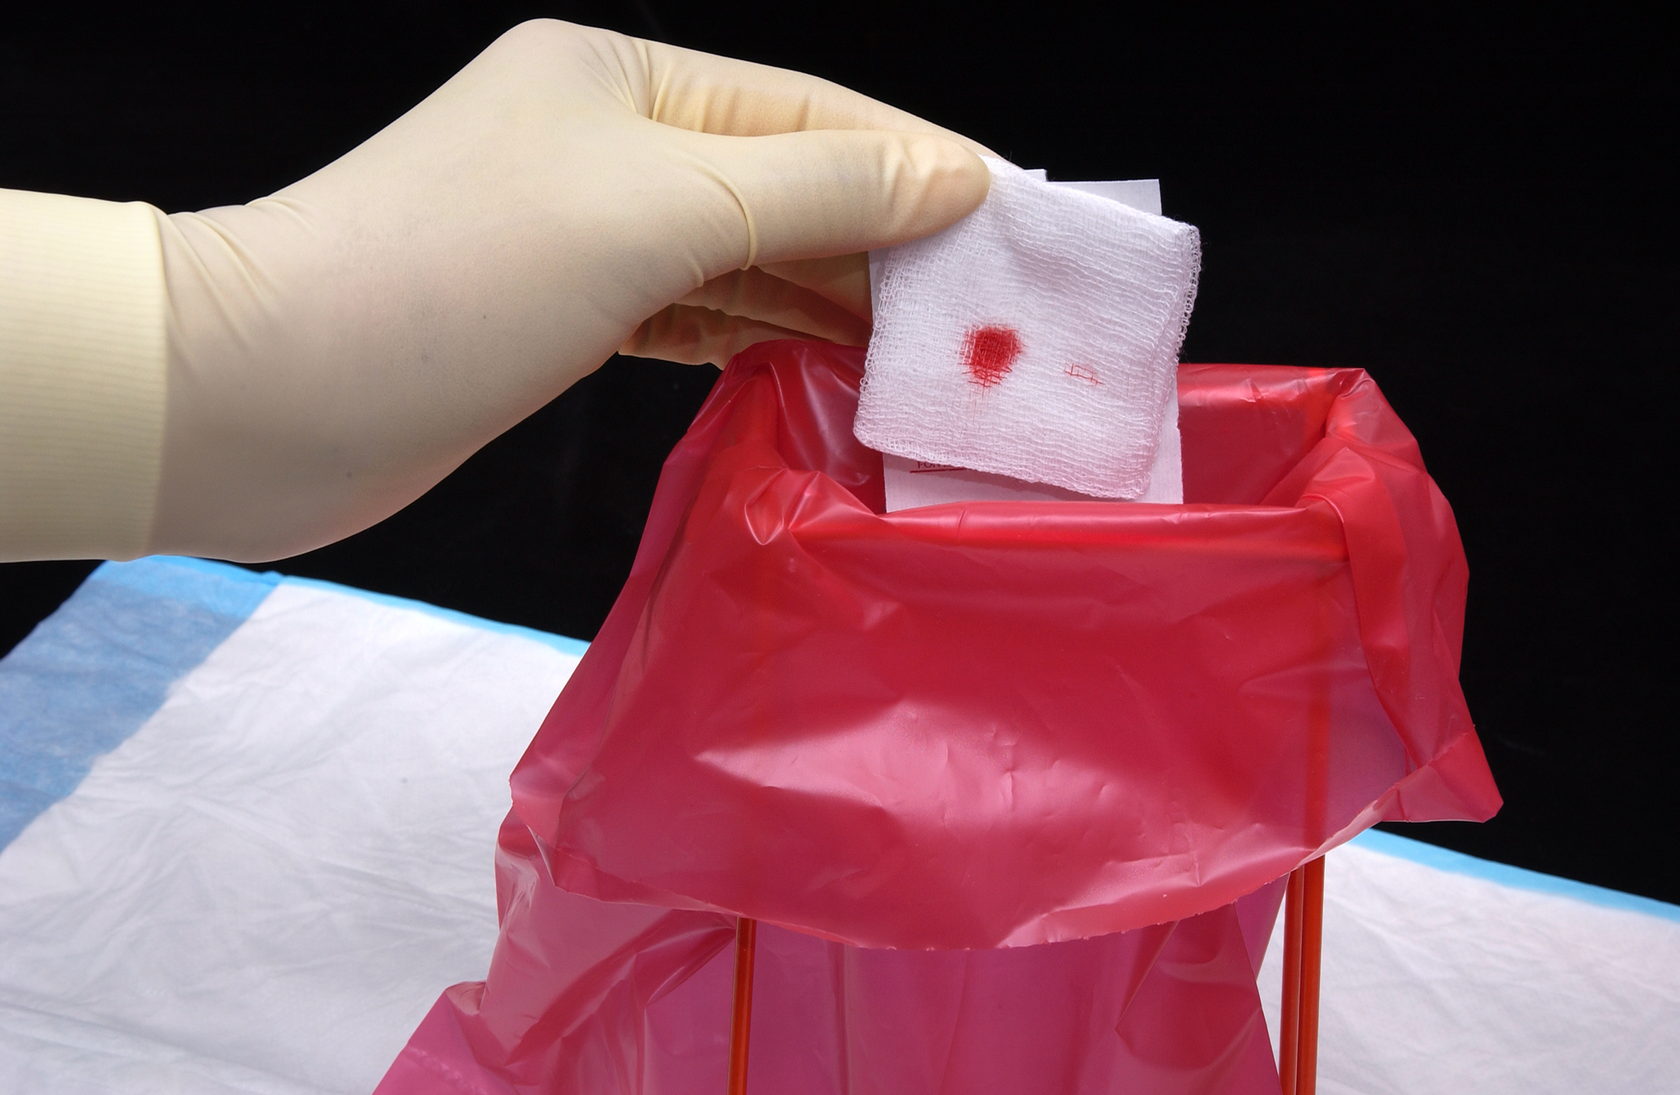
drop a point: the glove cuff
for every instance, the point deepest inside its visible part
(83, 375)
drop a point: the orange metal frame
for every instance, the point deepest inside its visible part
(1303, 934)
(1303, 938)
(740, 1028)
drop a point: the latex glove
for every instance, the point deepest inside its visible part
(339, 347)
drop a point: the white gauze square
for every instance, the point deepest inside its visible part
(1037, 338)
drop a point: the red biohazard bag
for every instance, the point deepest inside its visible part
(1092, 734)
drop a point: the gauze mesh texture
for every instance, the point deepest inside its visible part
(1036, 338)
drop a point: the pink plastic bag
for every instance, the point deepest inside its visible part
(972, 726)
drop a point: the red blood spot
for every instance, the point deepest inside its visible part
(1083, 372)
(990, 352)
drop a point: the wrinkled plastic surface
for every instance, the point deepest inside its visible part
(998, 724)
(1017, 725)
(593, 998)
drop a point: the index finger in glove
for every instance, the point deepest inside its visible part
(710, 94)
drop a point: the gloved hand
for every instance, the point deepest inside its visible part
(339, 347)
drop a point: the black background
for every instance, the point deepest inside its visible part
(1472, 209)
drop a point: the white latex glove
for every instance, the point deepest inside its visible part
(339, 347)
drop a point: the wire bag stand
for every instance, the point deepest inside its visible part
(1303, 937)
(740, 1026)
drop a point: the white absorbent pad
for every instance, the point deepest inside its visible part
(258, 821)
(1449, 975)
(246, 836)
(1036, 339)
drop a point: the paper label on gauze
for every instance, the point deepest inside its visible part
(1036, 339)
(911, 483)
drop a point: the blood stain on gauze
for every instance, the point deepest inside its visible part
(989, 352)
(1036, 338)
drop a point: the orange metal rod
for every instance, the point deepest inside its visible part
(1312, 950)
(740, 1028)
(1289, 1037)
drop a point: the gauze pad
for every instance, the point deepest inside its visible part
(1037, 339)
